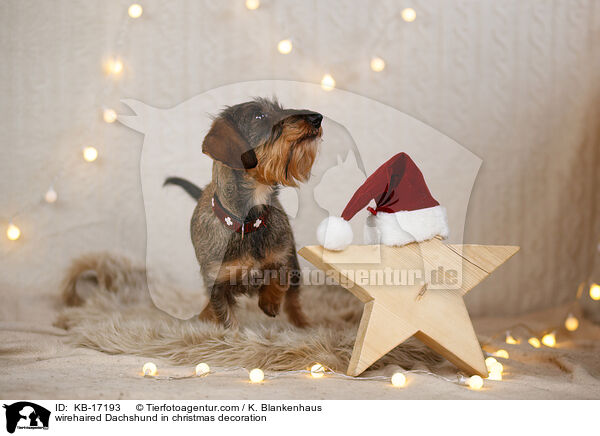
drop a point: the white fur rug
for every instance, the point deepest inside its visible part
(108, 308)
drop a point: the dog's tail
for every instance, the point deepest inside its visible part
(194, 191)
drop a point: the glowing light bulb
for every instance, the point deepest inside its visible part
(13, 232)
(90, 154)
(284, 46)
(109, 115)
(256, 375)
(534, 342)
(115, 66)
(327, 82)
(501, 353)
(149, 368)
(252, 4)
(510, 339)
(50, 196)
(398, 380)
(409, 15)
(317, 370)
(571, 323)
(377, 64)
(595, 291)
(495, 375)
(490, 362)
(202, 369)
(475, 382)
(549, 340)
(497, 367)
(135, 11)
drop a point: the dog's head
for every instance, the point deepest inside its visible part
(275, 145)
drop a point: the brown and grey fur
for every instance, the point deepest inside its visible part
(256, 147)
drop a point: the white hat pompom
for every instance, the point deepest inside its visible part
(335, 233)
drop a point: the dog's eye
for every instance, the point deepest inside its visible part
(260, 116)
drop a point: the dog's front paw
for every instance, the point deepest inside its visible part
(269, 307)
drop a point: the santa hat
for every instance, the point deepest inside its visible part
(405, 210)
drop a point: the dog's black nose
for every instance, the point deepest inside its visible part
(315, 120)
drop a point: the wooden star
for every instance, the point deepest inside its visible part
(432, 308)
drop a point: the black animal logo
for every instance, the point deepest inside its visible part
(26, 415)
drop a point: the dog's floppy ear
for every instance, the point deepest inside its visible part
(225, 144)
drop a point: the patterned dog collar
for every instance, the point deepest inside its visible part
(233, 222)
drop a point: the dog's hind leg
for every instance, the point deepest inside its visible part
(208, 314)
(293, 308)
(291, 305)
(221, 305)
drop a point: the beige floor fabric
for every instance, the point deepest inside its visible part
(36, 363)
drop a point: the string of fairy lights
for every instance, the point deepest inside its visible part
(115, 67)
(548, 336)
(317, 371)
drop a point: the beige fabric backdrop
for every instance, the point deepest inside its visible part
(516, 82)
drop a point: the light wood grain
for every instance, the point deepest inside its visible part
(435, 313)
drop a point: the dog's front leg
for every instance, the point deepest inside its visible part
(271, 293)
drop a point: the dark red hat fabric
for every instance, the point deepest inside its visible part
(397, 185)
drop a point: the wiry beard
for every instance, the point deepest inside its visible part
(289, 158)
